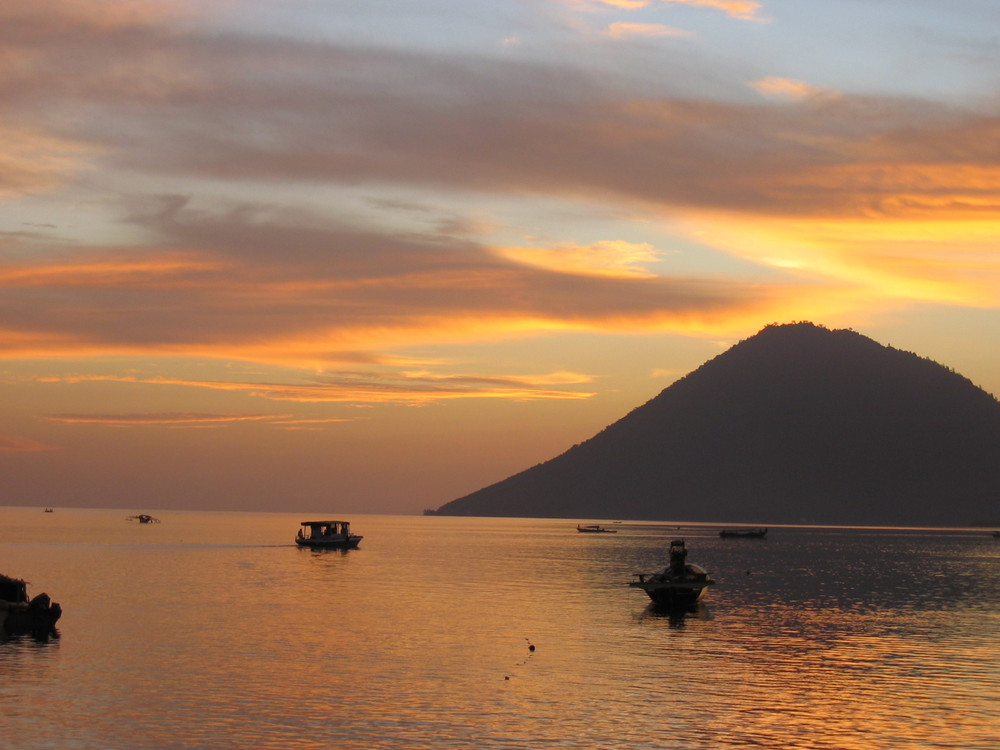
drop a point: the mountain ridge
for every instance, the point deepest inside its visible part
(796, 424)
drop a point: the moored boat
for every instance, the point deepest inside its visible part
(327, 535)
(142, 518)
(19, 614)
(595, 528)
(680, 584)
(743, 533)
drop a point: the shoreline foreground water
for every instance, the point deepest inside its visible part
(213, 630)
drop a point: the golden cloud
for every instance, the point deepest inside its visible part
(743, 9)
(107, 270)
(171, 418)
(362, 387)
(931, 260)
(790, 88)
(613, 258)
(623, 30)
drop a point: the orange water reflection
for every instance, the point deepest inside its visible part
(213, 630)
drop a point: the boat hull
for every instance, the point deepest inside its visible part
(349, 543)
(680, 584)
(37, 616)
(672, 595)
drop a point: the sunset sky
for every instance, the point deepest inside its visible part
(366, 257)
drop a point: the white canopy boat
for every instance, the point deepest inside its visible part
(327, 535)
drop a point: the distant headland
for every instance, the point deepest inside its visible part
(797, 424)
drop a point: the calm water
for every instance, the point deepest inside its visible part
(213, 630)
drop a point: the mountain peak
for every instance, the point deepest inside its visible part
(796, 424)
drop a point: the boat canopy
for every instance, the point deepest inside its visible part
(328, 527)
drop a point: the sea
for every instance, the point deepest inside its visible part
(213, 630)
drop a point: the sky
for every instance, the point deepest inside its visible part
(368, 257)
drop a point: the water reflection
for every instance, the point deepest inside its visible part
(37, 635)
(676, 617)
(837, 639)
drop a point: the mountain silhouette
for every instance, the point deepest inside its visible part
(797, 424)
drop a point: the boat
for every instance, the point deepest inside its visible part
(48, 510)
(142, 518)
(595, 528)
(20, 615)
(743, 533)
(327, 535)
(680, 584)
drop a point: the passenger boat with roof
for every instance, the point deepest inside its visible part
(327, 535)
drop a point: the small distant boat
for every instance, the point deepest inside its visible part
(142, 518)
(743, 533)
(595, 528)
(327, 535)
(20, 615)
(680, 584)
(48, 510)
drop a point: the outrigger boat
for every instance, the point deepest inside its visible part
(743, 533)
(20, 615)
(327, 535)
(595, 529)
(680, 584)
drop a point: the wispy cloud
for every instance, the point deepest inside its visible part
(259, 289)
(790, 88)
(746, 10)
(23, 445)
(33, 162)
(612, 258)
(623, 30)
(827, 188)
(170, 419)
(348, 387)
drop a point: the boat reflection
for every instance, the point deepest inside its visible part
(676, 616)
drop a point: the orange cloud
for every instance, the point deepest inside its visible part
(107, 271)
(32, 162)
(623, 4)
(419, 387)
(790, 88)
(622, 30)
(932, 260)
(23, 445)
(743, 9)
(613, 258)
(828, 190)
(94, 13)
(172, 419)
